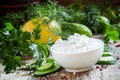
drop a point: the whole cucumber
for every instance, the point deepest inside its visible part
(76, 28)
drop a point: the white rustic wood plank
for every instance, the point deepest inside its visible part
(95, 75)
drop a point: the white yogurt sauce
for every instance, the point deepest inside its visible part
(76, 44)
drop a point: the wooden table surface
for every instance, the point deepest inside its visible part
(99, 72)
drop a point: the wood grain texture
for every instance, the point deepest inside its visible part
(104, 72)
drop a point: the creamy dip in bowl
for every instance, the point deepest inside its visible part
(77, 53)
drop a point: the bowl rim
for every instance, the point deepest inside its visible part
(57, 52)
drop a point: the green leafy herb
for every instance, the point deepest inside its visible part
(16, 19)
(42, 53)
(50, 9)
(11, 47)
(91, 13)
(111, 34)
(65, 34)
(36, 32)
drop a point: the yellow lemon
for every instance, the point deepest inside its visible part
(49, 29)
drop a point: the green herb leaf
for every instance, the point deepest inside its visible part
(13, 45)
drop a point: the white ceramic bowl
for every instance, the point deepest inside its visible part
(78, 62)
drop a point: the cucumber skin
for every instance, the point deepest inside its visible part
(76, 28)
(107, 62)
(105, 54)
(53, 69)
(45, 66)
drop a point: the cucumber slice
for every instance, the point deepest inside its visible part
(106, 60)
(45, 66)
(107, 54)
(31, 66)
(40, 73)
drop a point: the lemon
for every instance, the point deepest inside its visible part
(50, 29)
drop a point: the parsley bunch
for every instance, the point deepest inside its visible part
(13, 45)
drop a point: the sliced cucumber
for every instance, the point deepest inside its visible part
(45, 66)
(54, 68)
(107, 54)
(31, 66)
(106, 60)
